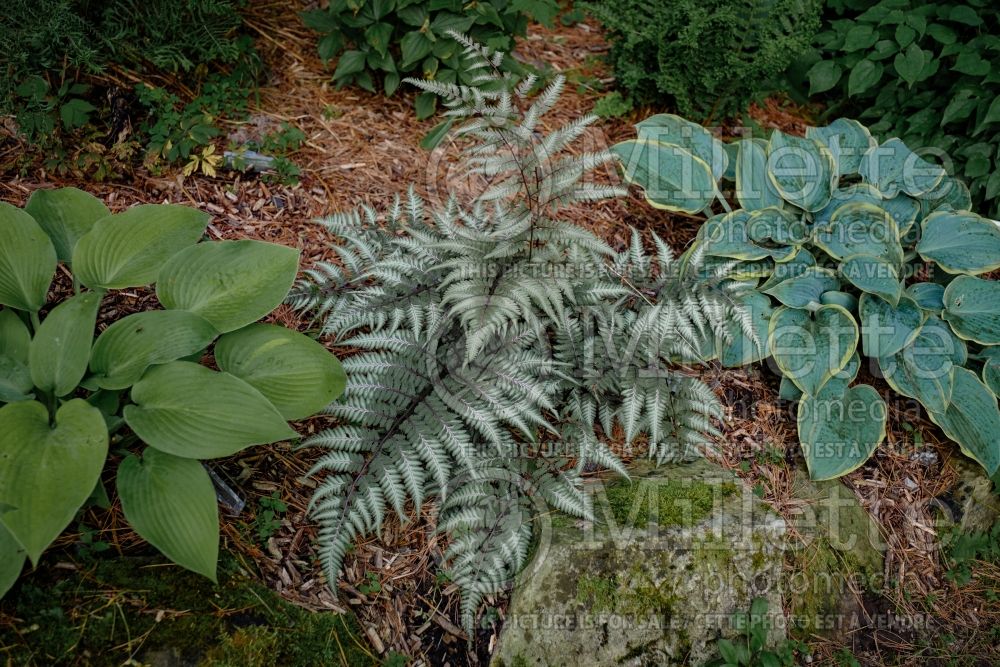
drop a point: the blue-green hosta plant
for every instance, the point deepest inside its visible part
(499, 345)
(854, 249)
(137, 391)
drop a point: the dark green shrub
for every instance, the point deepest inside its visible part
(707, 58)
(927, 72)
(381, 41)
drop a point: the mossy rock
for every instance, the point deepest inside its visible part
(654, 581)
(144, 610)
(974, 497)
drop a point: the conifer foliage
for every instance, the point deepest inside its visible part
(499, 346)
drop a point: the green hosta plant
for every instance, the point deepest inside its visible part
(854, 249)
(138, 392)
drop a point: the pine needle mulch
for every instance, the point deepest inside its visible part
(364, 148)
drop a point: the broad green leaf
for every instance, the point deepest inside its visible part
(929, 296)
(667, 128)
(845, 300)
(124, 351)
(771, 227)
(229, 283)
(795, 267)
(923, 369)
(873, 275)
(741, 350)
(823, 76)
(48, 471)
(910, 63)
(728, 235)
(950, 193)
(15, 340)
(170, 502)
(754, 189)
(991, 375)
(787, 391)
(27, 260)
(960, 242)
(904, 209)
(671, 177)
(803, 171)
(848, 140)
(297, 374)
(127, 249)
(972, 308)
(15, 380)
(973, 420)
(65, 214)
(61, 348)
(805, 289)
(188, 410)
(12, 559)
(860, 229)
(887, 329)
(810, 348)
(894, 168)
(839, 432)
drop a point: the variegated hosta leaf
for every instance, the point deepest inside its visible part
(667, 128)
(848, 141)
(728, 235)
(803, 171)
(860, 229)
(810, 348)
(671, 177)
(894, 168)
(805, 289)
(991, 374)
(960, 242)
(972, 308)
(923, 369)
(873, 275)
(845, 300)
(887, 329)
(754, 189)
(950, 194)
(770, 227)
(973, 420)
(840, 430)
(929, 296)
(802, 260)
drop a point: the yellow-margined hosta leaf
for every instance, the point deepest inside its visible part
(840, 430)
(810, 348)
(887, 329)
(960, 242)
(972, 308)
(672, 177)
(973, 420)
(803, 171)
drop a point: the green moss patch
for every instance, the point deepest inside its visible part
(673, 502)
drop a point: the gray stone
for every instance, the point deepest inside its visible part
(655, 581)
(977, 504)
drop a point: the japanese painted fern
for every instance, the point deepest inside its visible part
(498, 346)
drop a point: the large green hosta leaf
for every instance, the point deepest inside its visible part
(887, 329)
(171, 503)
(806, 288)
(923, 369)
(15, 380)
(297, 374)
(27, 260)
(894, 168)
(15, 340)
(848, 141)
(991, 369)
(124, 351)
(741, 350)
(960, 242)
(671, 177)
(810, 348)
(48, 471)
(873, 275)
(860, 229)
(229, 283)
(803, 171)
(840, 430)
(667, 128)
(754, 190)
(127, 249)
(12, 559)
(66, 215)
(188, 410)
(972, 308)
(973, 420)
(61, 347)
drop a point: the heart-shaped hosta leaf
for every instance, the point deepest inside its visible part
(229, 283)
(66, 215)
(188, 410)
(873, 275)
(667, 128)
(127, 249)
(894, 168)
(132, 344)
(806, 288)
(860, 229)
(15, 340)
(728, 235)
(904, 210)
(776, 227)
(803, 171)
(929, 296)
(858, 193)
(923, 369)
(11, 560)
(950, 194)
(171, 503)
(810, 348)
(741, 350)
(48, 471)
(848, 141)
(973, 420)
(960, 242)
(796, 266)
(839, 431)
(61, 347)
(754, 190)
(27, 260)
(847, 301)
(972, 308)
(15, 380)
(297, 374)
(671, 177)
(887, 329)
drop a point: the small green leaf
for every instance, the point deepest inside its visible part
(170, 502)
(823, 76)
(65, 214)
(350, 63)
(27, 260)
(61, 348)
(863, 76)
(75, 113)
(910, 63)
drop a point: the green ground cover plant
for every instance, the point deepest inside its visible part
(138, 397)
(854, 249)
